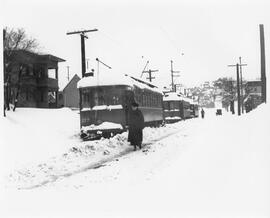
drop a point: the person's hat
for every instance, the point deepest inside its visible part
(134, 104)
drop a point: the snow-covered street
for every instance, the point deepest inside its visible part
(193, 168)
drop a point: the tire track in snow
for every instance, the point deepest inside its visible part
(96, 165)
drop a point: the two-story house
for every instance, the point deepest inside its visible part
(34, 78)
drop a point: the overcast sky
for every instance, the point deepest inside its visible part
(201, 36)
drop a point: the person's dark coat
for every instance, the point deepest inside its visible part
(136, 125)
(202, 113)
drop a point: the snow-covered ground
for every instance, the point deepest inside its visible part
(213, 167)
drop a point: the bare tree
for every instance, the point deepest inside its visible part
(14, 40)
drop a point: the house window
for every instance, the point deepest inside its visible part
(52, 73)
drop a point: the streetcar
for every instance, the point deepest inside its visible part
(105, 104)
(176, 107)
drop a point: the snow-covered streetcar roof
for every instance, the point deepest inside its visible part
(174, 96)
(117, 80)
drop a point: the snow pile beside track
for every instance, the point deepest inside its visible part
(80, 157)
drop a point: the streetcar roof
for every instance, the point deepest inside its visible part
(174, 96)
(117, 80)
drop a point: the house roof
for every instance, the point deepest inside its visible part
(69, 82)
(30, 56)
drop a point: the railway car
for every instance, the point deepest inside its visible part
(176, 107)
(194, 108)
(105, 104)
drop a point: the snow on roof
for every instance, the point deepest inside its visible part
(117, 80)
(174, 96)
(189, 100)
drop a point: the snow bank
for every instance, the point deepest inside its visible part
(43, 145)
(30, 134)
(213, 167)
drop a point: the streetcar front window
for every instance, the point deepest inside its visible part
(174, 105)
(166, 105)
(98, 96)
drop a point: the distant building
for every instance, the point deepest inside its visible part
(69, 96)
(206, 85)
(253, 91)
(38, 84)
(254, 87)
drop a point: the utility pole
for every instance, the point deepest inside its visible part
(150, 77)
(83, 36)
(150, 74)
(68, 73)
(263, 76)
(173, 75)
(241, 83)
(4, 66)
(238, 87)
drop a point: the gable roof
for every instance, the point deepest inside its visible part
(75, 77)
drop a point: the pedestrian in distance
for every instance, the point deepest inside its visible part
(202, 113)
(135, 125)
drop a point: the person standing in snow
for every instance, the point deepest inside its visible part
(202, 113)
(136, 125)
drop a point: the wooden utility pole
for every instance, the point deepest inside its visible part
(241, 83)
(263, 76)
(238, 87)
(4, 66)
(173, 75)
(83, 36)
(150, 77)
